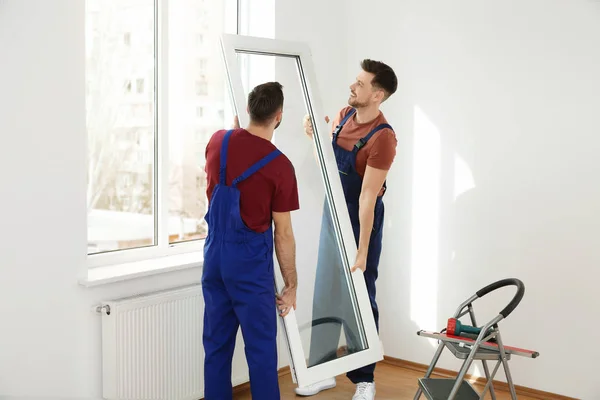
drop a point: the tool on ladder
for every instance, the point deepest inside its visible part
(473, 343)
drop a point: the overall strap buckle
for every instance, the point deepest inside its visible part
(338, 128)
(362, 141)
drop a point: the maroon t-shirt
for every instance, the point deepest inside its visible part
(273, 188)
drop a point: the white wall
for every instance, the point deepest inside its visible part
(492, 85)
(319, 23)
(510, 90)
(46, 316)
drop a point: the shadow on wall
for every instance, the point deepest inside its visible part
(450, 230)
(447, 235)
(441, 183)
(496, 175)
(495, 179)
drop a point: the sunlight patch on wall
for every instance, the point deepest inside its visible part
(425, 221)
(463, 177)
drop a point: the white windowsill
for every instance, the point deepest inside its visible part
(137, 269)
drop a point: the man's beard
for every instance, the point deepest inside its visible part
(353, 102)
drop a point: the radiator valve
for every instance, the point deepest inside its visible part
(105, 308)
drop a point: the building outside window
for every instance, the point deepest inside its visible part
(146, 195)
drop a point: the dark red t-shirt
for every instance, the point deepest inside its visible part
(272, 188)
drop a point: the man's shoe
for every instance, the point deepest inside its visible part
(365, 391)
(315, 388)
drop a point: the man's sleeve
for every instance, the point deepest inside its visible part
(383, 152)
(286, 192)
(206, 155)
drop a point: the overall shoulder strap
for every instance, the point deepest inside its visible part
(362, 141)
(342, 122)
(223, 157)
(256, 166)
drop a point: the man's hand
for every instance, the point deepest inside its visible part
(286, 300)
(360, 262)
(308, 128)
(236, 123)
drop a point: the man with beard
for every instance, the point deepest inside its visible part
(364, 145)
(250, 185)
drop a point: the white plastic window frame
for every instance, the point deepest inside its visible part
(302, 374)
(162, 256)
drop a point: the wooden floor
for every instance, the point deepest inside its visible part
(392, 382)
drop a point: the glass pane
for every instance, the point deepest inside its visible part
(198, 98)
(327, 312)
(120, 103)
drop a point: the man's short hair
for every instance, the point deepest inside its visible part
(264, 101)
(384, 78)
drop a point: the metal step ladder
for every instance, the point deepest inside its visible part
(486, 346)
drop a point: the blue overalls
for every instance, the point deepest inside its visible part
(238, 286)
(330, 278)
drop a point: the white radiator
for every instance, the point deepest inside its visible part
(152, 346)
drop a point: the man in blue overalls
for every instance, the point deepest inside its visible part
(364, 145)
(251, 184)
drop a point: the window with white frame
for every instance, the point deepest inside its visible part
(150, 67)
